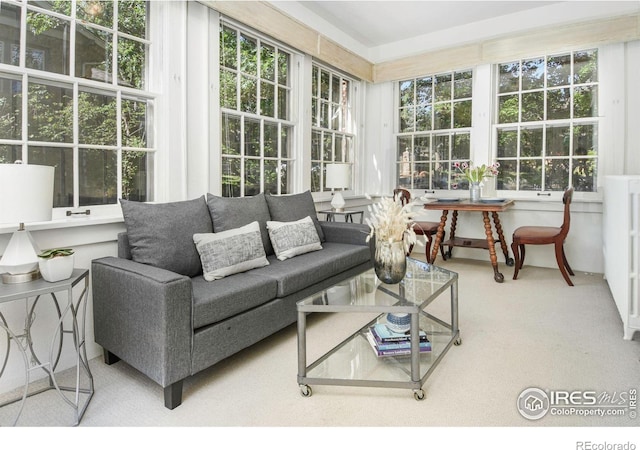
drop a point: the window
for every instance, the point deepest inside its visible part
(72, 95)
(332, 129)
(547, 123)
(434, 125)
(257, 134)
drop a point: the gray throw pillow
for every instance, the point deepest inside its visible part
(161, 234)
(290, 239)
(231, 251)
(288, 208)
(228, 213)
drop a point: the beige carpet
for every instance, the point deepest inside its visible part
(532, 332)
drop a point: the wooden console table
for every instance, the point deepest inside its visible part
(485, 207)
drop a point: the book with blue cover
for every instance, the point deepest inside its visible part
(383, 334)
(400, 349)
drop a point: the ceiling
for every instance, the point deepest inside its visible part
(376, 23)
(380, 30)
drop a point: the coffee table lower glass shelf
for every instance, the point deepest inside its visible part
(354, 362)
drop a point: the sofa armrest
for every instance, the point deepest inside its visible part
(143, 315)
(345, 232)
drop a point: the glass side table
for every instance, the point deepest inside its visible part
(23, 341)
(330, 215)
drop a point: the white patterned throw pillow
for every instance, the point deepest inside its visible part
(290, 239)
(231, 251)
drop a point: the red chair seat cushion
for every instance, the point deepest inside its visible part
(427, 228)
(525, 235)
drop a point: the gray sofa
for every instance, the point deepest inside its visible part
(154, 309)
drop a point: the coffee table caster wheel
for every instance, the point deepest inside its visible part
(457, 341)
(305, 390)
(419, 395)
(498, 277)
(510, 262)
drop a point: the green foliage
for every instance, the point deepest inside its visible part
(50, 108)
(39, 23)
(55, 252)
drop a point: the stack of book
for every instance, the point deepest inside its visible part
(389, 343)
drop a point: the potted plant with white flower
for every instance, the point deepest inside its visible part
(474, 176)
(56, 264)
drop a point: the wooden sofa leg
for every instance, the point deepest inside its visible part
(109, 358)
(173, 395)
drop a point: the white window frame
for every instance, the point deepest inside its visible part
(349, 130)
(27, 75)
(571, 121)
(433, 133)
(293, 159)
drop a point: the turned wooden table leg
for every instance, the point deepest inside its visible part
(503, 244)
(452, 233)
(439, 235)
(492, 249)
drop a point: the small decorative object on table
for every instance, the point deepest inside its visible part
(475, 176)
(399, 322)
(56, 264)
(392, 225)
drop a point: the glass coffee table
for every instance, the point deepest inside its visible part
(354, 362)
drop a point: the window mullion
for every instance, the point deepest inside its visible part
(72, 42)
(261, 160)
(25, 118)
(76, 148)
(279, 159)
(23, 37)
(120, 155)
(25, 83)
(242, 154)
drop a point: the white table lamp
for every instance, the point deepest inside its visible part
(26, 195)
(338, 177)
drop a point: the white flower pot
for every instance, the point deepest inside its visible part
(56, 269)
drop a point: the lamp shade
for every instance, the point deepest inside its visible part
(26, 193)
(338, 176)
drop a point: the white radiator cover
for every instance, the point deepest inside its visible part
(621, 246)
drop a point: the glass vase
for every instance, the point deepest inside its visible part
(390, 261)
(475, 191)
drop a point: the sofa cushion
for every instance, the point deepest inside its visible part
(228, 213)
(161, 234)
(305, 270)
(230, 251)
(287, 208)
(290, 239)
(229, 296)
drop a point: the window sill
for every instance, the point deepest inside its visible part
(70, 222)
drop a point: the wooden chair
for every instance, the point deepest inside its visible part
(421, 228)
(545, 235)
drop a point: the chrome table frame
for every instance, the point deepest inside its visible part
(385, 299)
(24, 341)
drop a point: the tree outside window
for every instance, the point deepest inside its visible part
(547, 123)
(434, 124)
(332, 129)
(256, 133)
(107, 154)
